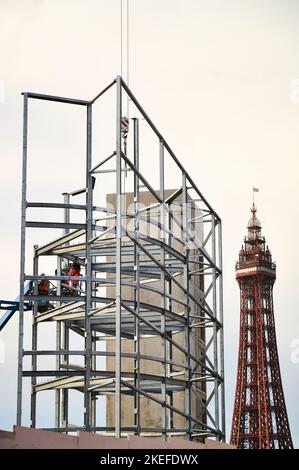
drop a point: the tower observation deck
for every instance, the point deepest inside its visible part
(260, 418)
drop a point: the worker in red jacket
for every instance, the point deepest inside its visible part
(75, 271)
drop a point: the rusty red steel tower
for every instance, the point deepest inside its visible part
(260, 418)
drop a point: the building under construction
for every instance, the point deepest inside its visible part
(145, 314)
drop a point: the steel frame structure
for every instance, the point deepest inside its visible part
(168, 265)
(260, 418)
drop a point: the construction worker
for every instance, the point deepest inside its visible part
(43, 286)
(43, 289)
(75, 271)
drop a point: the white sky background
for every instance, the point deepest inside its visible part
(216, 78)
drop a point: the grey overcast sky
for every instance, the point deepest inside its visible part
(220, 78)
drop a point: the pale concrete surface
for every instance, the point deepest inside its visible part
(151, 416)
(88, 440)
(210, 444)
(28, 438)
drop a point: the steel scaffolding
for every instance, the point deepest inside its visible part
(136, 286)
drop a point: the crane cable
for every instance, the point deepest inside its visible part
(126, 46)
(125, 120)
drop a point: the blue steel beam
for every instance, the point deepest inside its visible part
(12, 307)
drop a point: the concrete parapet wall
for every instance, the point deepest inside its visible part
(28, 438)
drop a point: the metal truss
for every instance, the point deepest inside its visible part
(260, 419)
(137, 285)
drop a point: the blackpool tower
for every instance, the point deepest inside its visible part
(260, 418)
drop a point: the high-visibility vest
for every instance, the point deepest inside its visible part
(74, 272)
(43, 286)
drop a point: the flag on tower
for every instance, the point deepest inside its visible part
(255, 190)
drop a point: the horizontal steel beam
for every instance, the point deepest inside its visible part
(10, 304)
(68, 352)
(58, 99)
(56, 205)
(62, 225)
(153, 432)
(59, 241)
(102, 374)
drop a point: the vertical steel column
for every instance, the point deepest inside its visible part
(22, 262)
(58, 391)
(65, 329)
(170, 348)
(88, 269)
(221, 330)
(118, 259)
(137, 420)
(34, 341)
(187, 308)
(162, 297)
(215, 327)
(93, 396)
(93, 339)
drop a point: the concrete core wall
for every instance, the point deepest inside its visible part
(151, 412)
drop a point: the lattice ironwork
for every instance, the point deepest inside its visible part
(260, 417)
